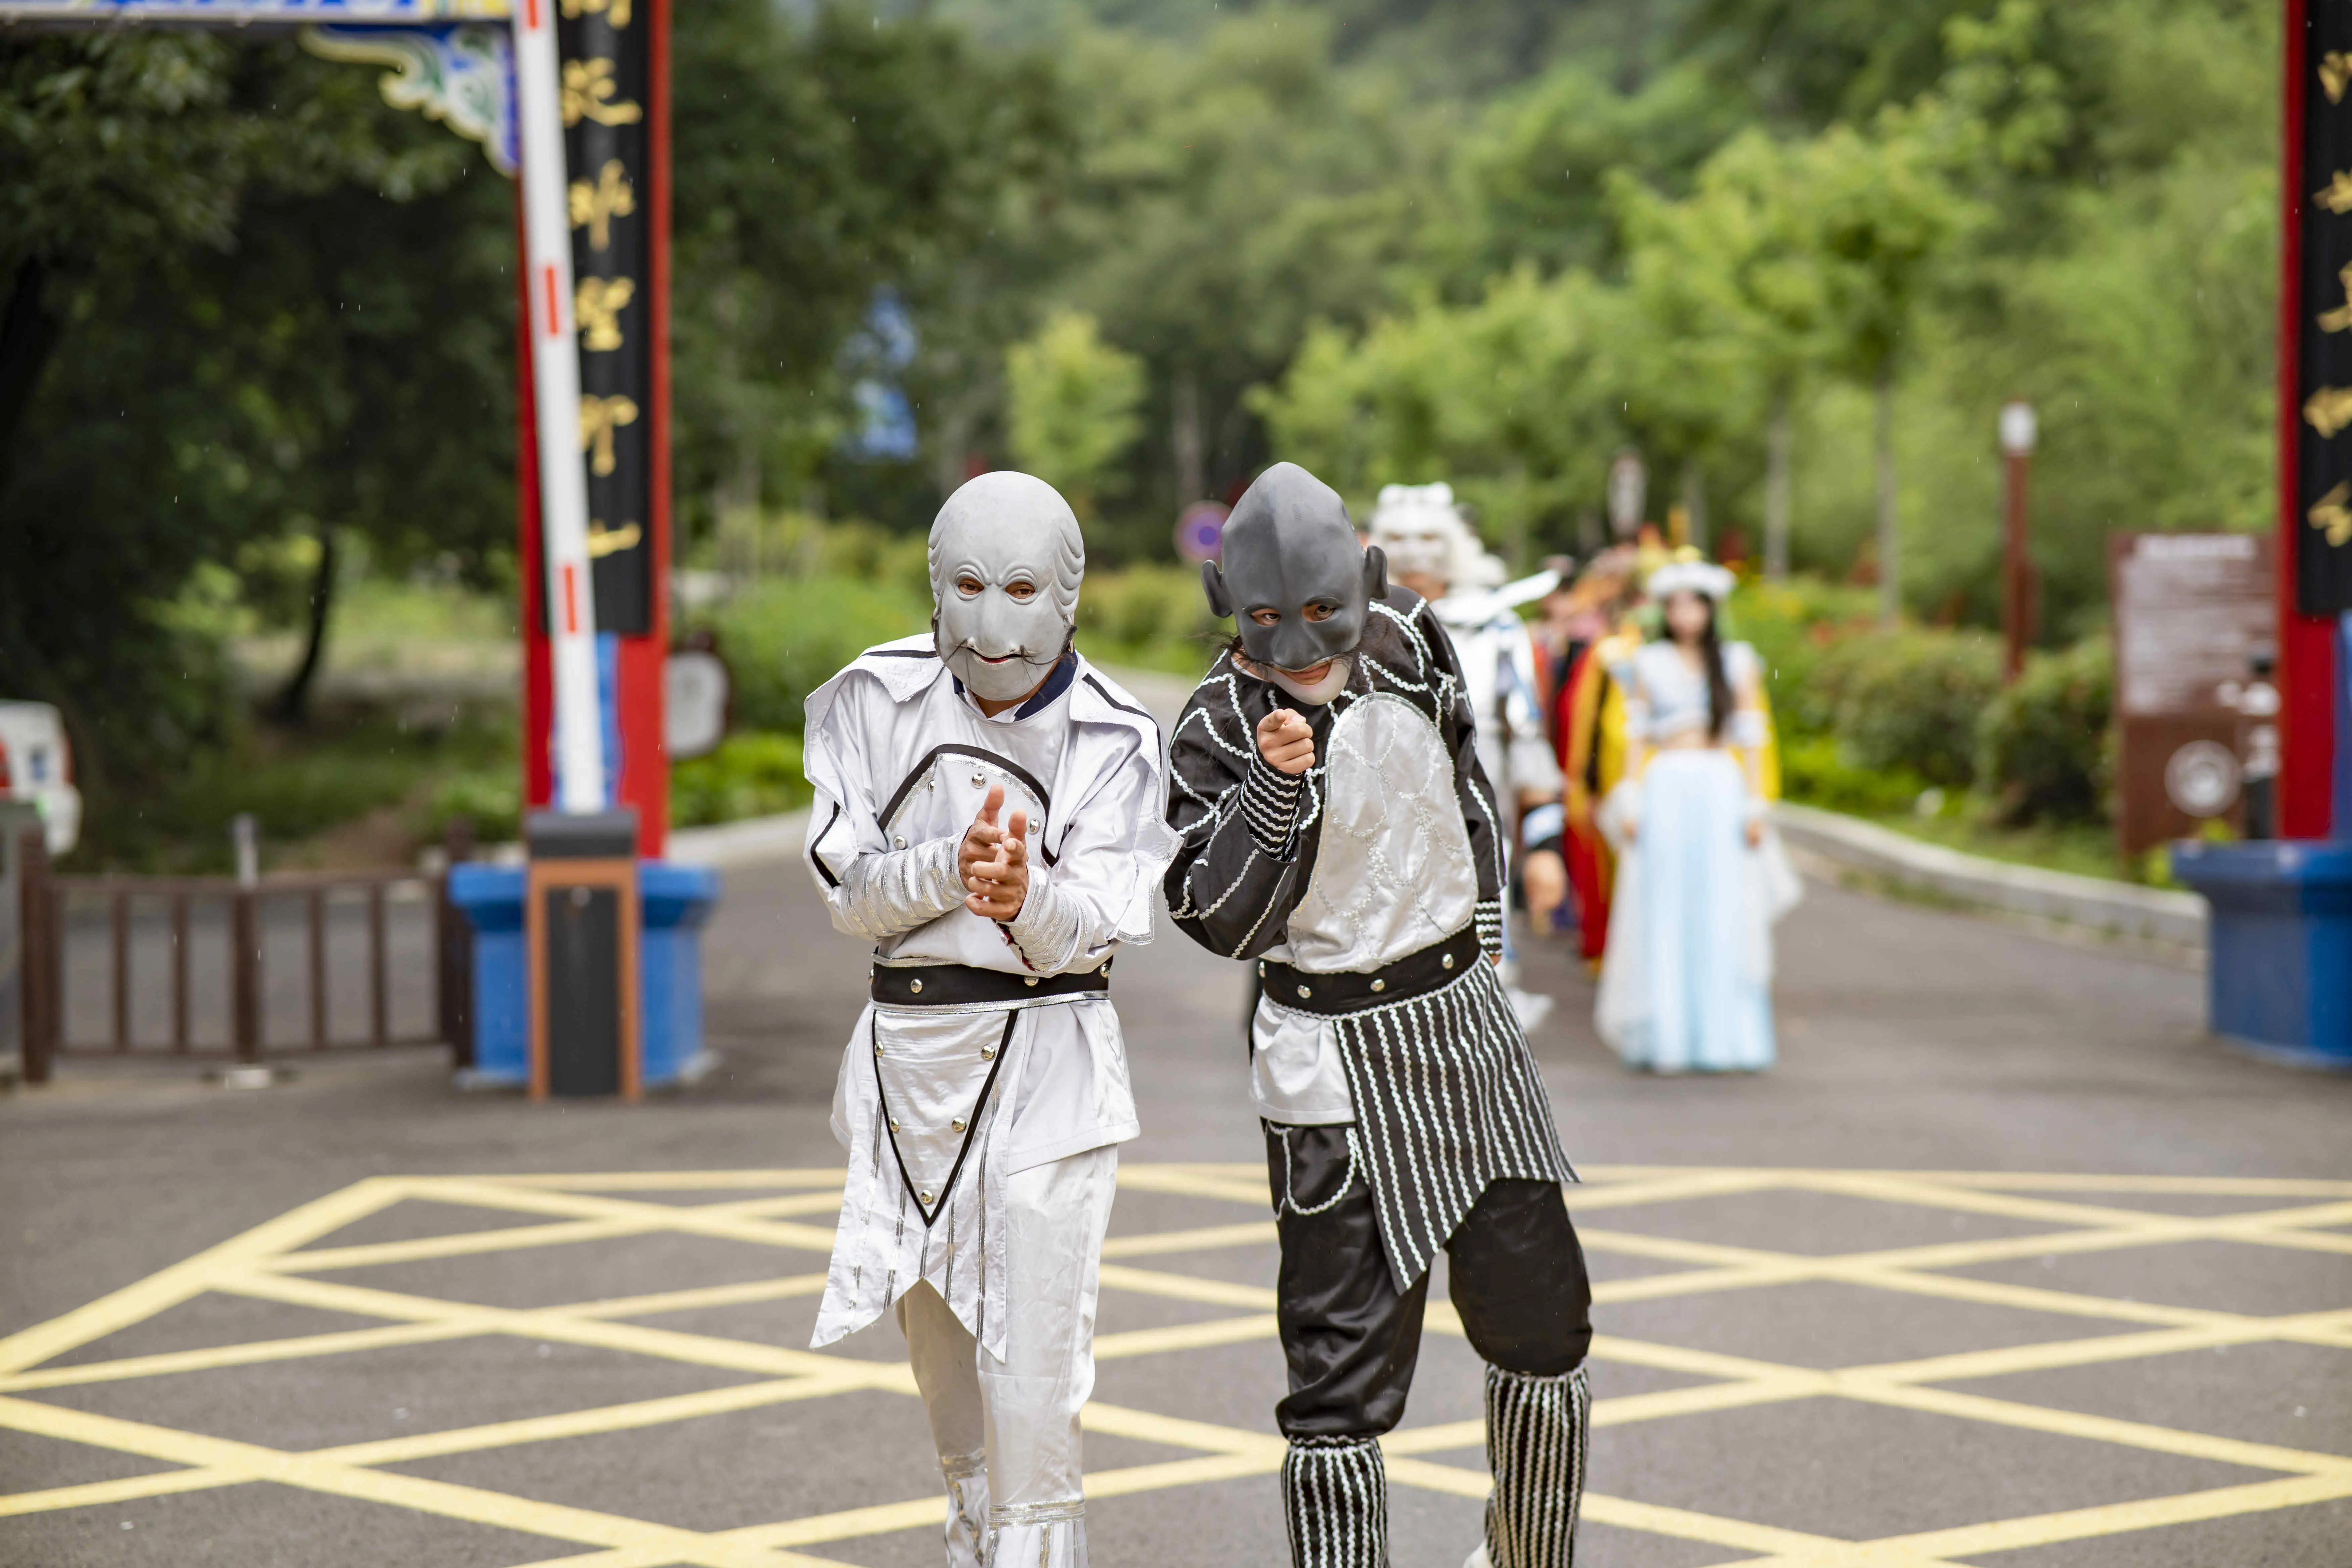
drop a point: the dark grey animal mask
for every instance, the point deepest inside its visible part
(1289, 547)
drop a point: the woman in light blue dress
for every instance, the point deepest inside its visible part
(1687, 981)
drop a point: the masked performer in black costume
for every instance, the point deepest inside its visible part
(1337, 829)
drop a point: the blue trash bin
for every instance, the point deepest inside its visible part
(676, 903)
(2278, 965)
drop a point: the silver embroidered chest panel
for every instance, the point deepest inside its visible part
(1394, 872)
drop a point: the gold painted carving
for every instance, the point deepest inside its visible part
(603, 541)
(615, 12)
(2328, 410)
(588, 88)
(598, 303)
(2331, 518)
(613, 196)
(2335, 74)
(599, 417)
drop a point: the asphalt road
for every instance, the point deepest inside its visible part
(1972, 1275)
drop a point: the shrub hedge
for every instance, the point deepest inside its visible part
(1869, 717)
(2044, 750)
(1910, 697)
(785, 636)
(751, 775)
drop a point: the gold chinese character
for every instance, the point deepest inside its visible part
(599, 417)
(2335, 74)
(2331, 517)
(610, 197)
(603, 541)
(614, 11)
(2337, 197)
(598, 303)
(2335, 320)
(2328, 410)
(588, 88)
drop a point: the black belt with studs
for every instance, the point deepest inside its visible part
(961, 985)
(1433, 968)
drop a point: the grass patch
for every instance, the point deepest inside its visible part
(2082, 849)
(304, 786)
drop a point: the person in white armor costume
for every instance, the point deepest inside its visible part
(1434, 552)
(988, 814)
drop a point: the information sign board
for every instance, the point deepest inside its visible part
(2192, 611)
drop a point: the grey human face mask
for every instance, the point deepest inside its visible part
(1006, 559)
(1296, 582)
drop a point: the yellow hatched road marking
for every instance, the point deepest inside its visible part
(1257, 1234)
(136, 1303)
(268, 1263)
(339, 1343)
(315, 1473)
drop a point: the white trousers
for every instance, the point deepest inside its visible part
(1007, 1430)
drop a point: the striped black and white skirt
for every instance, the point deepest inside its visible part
(1447, 1100)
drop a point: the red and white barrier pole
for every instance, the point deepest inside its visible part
(555, 387)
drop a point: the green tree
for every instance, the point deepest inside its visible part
(816, 161)
(1534, 176)
(1729, 273)
(1072, 404)
(1231, 194)
(248, 298)
(1880, 214)
(1513, 400)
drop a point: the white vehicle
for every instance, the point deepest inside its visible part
(37, 765)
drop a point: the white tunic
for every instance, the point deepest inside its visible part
(902, 762)
(1499, 676)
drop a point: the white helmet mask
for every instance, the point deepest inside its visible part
(1006, 559)
(1421, 530)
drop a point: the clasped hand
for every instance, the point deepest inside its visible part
(992, 862)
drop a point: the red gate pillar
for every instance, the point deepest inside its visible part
(643, 768)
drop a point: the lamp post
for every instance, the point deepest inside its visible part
(2016, 434)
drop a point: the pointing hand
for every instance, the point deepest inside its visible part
(1286, 742)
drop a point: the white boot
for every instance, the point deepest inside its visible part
(1478, 1559)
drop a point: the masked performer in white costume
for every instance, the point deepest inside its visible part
(1433, 551)
(1337, 830)
(988, 814)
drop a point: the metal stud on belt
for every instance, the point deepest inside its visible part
(1380, 985)
(1446, 960)
(914, 985)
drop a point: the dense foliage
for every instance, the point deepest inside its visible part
(1147, 245)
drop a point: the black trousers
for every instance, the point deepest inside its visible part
(1351, 1338)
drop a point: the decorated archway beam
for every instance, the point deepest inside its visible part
(592, 477)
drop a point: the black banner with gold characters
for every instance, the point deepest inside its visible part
(2322, 577)
(606, 68)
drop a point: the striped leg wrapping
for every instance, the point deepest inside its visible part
(1038, 1535)
(1335, 1500)
(967, 1478)
(1536, 1438)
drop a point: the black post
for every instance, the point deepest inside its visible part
(42, 980)
(454, 937)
